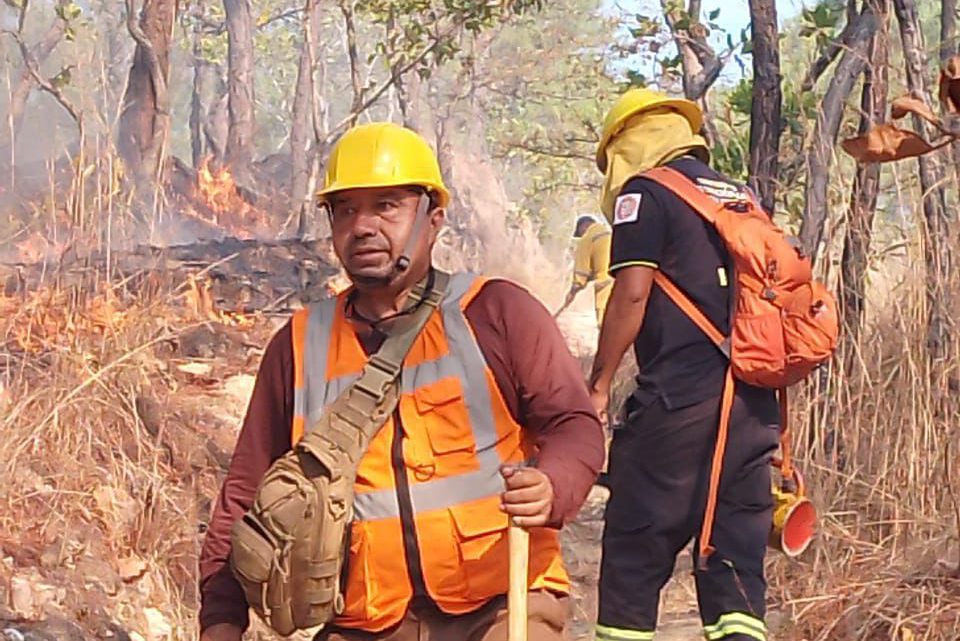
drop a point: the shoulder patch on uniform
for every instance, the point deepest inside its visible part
(627, 208)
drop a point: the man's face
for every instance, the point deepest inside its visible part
(371, 228)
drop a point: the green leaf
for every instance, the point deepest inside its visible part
(713, 15)
(63, 78)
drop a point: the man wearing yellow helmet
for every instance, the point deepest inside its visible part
(486, 428)
(661, 457)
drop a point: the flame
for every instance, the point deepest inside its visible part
(49, 318)
(216, 188)
(228, 209)
(199, 300)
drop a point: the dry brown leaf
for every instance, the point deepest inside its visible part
(906, 105)
(195, 368)
(950, 86)
(131, 568)
(886, 143)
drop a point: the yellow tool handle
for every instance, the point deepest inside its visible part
(519, 542)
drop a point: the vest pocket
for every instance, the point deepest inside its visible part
(443, 411)
(481, 530)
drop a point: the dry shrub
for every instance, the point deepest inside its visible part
(879, 443)
(109, 457)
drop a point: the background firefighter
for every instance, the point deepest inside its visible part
(428, 547)
(591, 262)
(661, 458)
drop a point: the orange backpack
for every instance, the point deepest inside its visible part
(783, 322)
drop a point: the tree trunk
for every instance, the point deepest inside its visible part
(353, 55)
(145, 119)
(948, 29)
(216, 128)
(820, 153)
(936, 232)
(949, 48)
(866, 185)
(240, 57)
(197, 146)
(302, 140)
(765, 125)
(25, 83)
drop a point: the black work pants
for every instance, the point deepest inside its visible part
(659, 474)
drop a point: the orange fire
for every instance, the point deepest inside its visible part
(49, 318)
(218, 191)
(216, 188)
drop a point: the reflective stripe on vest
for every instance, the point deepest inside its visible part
(464, 361)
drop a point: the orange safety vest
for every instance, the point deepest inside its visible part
(456, 432)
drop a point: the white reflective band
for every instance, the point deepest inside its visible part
(412, 378)
(464, 361)
(607, 633)
(736, 623)
(434, 495)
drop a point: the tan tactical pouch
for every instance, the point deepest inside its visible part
(289, 549)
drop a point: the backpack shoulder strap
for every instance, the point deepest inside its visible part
(688, 307)
(686, 190)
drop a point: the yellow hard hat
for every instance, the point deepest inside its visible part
(383, 154)
(637, 101)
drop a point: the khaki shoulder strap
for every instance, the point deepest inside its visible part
(364, 406)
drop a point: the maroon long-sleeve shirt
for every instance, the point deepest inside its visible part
(541, 384)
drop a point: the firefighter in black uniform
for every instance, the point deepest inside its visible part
(660, 458)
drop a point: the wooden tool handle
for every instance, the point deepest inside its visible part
(519, 542)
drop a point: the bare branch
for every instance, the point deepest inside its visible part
(829, 53)
(277, 17)
(373, 96)
(22, 18)
(356, 82)
(820, 154)
(44, 83)
(701, 64)
(562, 152)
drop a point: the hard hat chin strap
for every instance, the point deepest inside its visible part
(423, 207)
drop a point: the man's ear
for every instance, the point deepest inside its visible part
(437, 216)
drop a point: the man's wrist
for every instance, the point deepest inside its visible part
(599, 383)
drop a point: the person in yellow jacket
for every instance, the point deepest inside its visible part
(592, 262)
(486, 429)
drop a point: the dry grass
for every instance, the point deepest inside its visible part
(110, 457)
(879, 440)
